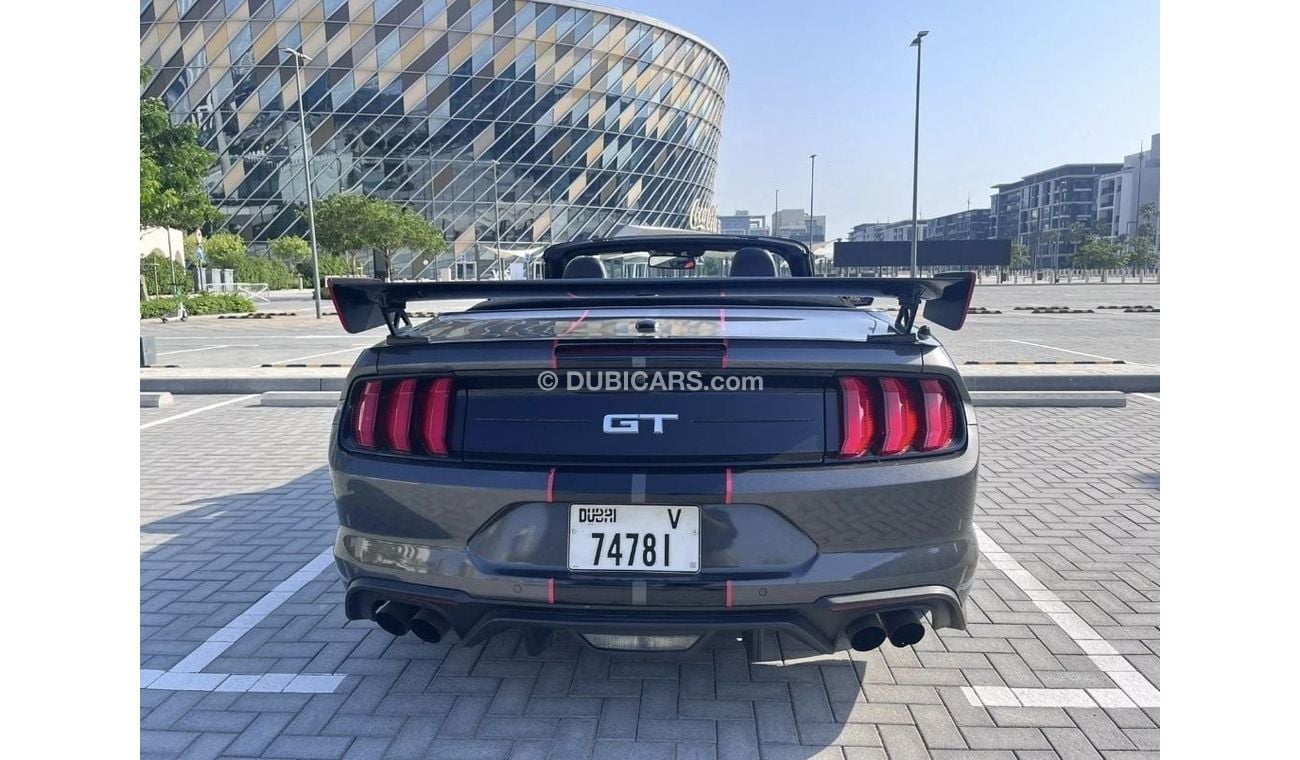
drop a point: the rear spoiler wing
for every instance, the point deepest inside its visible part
(363, 303)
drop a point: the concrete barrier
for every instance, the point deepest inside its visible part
(300, 398)
(1049, 398)
(155, 400)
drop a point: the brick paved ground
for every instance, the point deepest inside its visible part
(234, 501)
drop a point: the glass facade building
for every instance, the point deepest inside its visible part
(589, 118)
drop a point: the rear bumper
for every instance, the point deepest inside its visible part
(817, 624)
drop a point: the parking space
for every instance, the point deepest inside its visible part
(245, 651)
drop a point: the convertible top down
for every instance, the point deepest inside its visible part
(666, 438)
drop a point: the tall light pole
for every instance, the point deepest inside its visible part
(812, 177)
(916, 142)
(496, 220)
(300, 58)
(776, 209)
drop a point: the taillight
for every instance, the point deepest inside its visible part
(437, 400)
(899, 416)
(889, 416)
(398, 417)
(365, 414)
(937, 412)
(859, 425)
(384, 415)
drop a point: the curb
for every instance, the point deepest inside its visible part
(300, 398)
(1048, 398)
(1123, 383)
(156, 400)
(240, 385)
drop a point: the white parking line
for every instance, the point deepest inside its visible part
(1054, 348)
(155, 423)
(262, 337)
(1134, 688)
(313, 356)
(1145, 396)
(186, 675)
(190, 350)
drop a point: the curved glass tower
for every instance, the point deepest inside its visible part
(595, 118)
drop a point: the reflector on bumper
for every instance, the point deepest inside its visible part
(631, 643)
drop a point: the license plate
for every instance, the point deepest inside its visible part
(638, 538)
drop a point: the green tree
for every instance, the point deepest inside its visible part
(342, 223)
(225, 250)
(172, 167)
(349, 224)
(1098, 253)
(1019, 255)
(290, 249)
(1142, 246)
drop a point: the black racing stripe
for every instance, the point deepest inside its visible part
(705, 487)
(588, 487)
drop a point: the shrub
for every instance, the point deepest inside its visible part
(290, 249)
(274, 273)
(225, 250)
(330, 266)
(162, 284)
(204, 303)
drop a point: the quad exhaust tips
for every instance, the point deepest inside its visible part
(399, 619)
(904, 627)
(394, 617)
(866, 633)
(430, 626)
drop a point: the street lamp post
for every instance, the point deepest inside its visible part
(300, 58)
(812, 178)
(776, 210)
(496, 220)
(916, 143)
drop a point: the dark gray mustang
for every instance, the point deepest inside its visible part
(662, 439)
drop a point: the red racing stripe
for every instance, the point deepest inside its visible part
(574, 326)
(722, 329)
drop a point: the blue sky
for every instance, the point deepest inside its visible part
(1007, 88)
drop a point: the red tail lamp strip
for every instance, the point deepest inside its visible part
(434, 428)
(858, 423)
(366, 414)
(550, 591)
(899, 414)
(397, 419)
(731, 595)
(550, 485)
(939, 422)
(728, 489)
